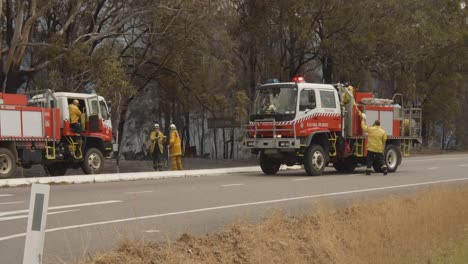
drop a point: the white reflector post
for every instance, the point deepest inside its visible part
(35, 230)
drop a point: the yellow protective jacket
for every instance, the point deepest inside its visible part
(156, 138)
(175, 149)
(344, 95)
(75, 113)
(376, 138)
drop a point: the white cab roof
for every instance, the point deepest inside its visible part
(306, 85)
(68, 95)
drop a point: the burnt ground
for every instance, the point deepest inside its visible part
(144, 165)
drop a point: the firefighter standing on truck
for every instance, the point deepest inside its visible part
(175, 149)
(375, 144)
(157, 139)
(75, 115)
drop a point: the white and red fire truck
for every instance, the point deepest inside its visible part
(299, 123)
(37, 131)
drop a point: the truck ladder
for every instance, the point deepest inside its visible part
(75, 147)
(359, 147)
(332, 138)
(50, 151)
(405, 147)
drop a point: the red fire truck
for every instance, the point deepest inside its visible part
(37, 131)
(299, 123)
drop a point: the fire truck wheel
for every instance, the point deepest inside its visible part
(348, 165)
(392, 157)
(7, 163)
(315, 160)
(55, 169)
(339, 166)
(93, 162)
(268, 165)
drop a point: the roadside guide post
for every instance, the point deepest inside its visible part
(35, 230)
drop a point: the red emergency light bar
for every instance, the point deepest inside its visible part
(298, 79)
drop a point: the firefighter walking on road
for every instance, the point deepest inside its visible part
(375, 145)
(175, 149)
(157, 140)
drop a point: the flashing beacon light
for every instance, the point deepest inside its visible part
(272, 81)
(298, 79)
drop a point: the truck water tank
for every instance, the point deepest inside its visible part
(397, 112)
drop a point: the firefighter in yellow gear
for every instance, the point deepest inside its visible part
(344, 95)
(175, 149)
(157, 139)
(75, 115)
(375, 145)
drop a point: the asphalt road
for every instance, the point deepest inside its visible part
(92, 217)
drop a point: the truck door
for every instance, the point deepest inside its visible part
(106, 117)
(307, 104)
(93, 114)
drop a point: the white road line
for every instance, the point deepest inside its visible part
(138, 192)
(6, 195)
(433, 168)
(152, 231)
(12, 236)
(302, 179)
(236, 206)
(26, 216)
(12, 202)
(464, 165)
(62, 207)
(230, 185)
(62, 212)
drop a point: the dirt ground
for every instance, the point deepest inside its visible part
(145, 165)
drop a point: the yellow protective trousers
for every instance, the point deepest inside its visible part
(176, 162)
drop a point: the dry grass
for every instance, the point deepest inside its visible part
(413, 229)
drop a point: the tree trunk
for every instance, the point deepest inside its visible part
(327, 69)
(252, 71)
(443, 137)
(167, 122)
(215, 143)
(224, 145)
(187, 132)
(232, 143)
(121, 126)
(14, 80)
(202, 136)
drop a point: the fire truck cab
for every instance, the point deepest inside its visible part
(316, 124)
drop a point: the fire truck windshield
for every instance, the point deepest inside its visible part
(278, 101)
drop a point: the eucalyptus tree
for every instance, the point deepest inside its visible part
(45, 34)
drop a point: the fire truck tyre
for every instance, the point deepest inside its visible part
(339, 166)
(315, 160)
(348, 165)
(7, 163)
(93, 162)
(269, 166)
(376, 168)
(392, 157)
(55, 169)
